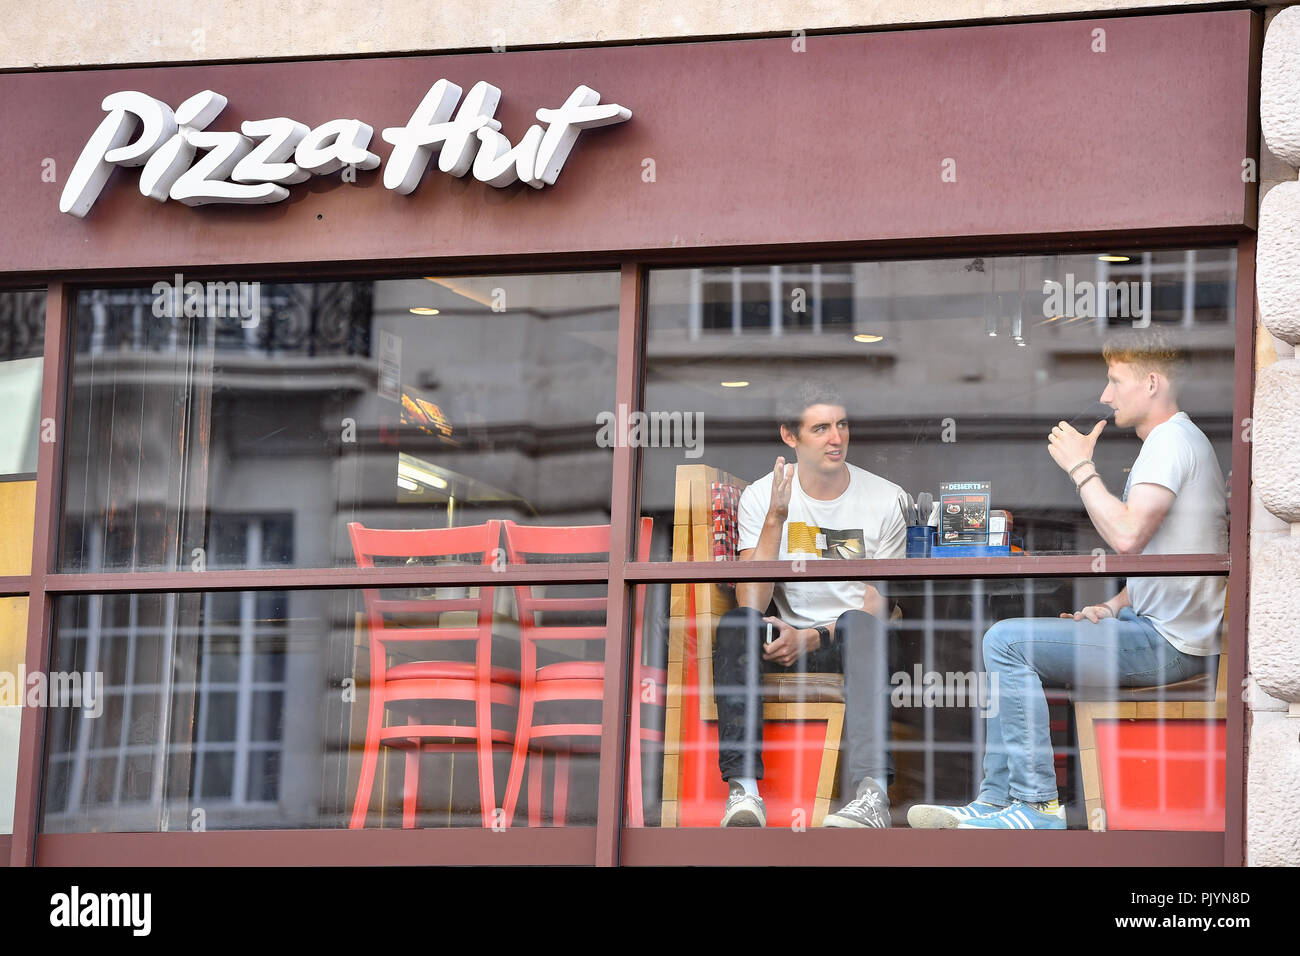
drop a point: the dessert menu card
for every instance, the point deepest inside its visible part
(964, 512)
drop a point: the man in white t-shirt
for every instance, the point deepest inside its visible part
(822, 508)
(1155, 631)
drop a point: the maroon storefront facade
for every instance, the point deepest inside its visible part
(938, 142)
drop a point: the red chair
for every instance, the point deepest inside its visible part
(430, 680)
(571, 680)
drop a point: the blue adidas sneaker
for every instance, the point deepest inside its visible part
(1018, 816)
(928, 816)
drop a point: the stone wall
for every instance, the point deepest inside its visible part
(85, 32)
(1273, 683)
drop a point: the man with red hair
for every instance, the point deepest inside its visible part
(1154, 631)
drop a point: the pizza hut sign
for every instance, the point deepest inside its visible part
(257, 163)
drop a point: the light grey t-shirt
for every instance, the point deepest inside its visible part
(863, 522)
(1188, 612)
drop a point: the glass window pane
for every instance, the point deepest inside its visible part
(250, 431)
(22, 346)
(13, 660)
(268, 727)
(951, 373)
(952, 691)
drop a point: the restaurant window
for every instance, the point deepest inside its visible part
(13, 658)
(952, 370)
(235, 705)
(438, 423)
(927, 733)
(22, 346)
(952, 374)
(257, 709)
(342, 425)
(425, 402)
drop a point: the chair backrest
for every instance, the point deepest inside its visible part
(371, 543)
(522, 540)
(705, 528)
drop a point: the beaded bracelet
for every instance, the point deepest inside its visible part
(1079, 486)
(1086, 461)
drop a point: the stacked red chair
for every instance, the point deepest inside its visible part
(434, 681)
(566, 681)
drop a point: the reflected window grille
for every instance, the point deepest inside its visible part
(241, 695)
(235, 745)
(1187, 288)
(772, 300)
(22, 324)
(255, 318)
(242, 682)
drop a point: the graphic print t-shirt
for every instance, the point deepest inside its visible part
(863, 522)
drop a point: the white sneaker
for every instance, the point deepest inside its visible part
(743, 809)
(928, 816)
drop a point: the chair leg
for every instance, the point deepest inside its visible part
(369, 762)
(635, 811)
(1089, 766)
(487, 791)
(411, 787)
(411, 779)
(561, 789)
(535, 789)
(1075, 811)
(519, 757)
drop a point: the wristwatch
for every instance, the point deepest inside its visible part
(824, 633)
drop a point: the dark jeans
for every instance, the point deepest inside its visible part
(859, 651)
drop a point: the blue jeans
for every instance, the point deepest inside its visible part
(1025, 653)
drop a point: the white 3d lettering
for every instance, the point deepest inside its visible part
(175, 155)
(255, 164)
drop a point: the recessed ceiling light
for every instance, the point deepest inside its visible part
(424, 310)
(420, 476)
(734, 384)
(1113, 258)
(867, 337)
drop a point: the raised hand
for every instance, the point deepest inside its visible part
(782, 481)
(1068, 446)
